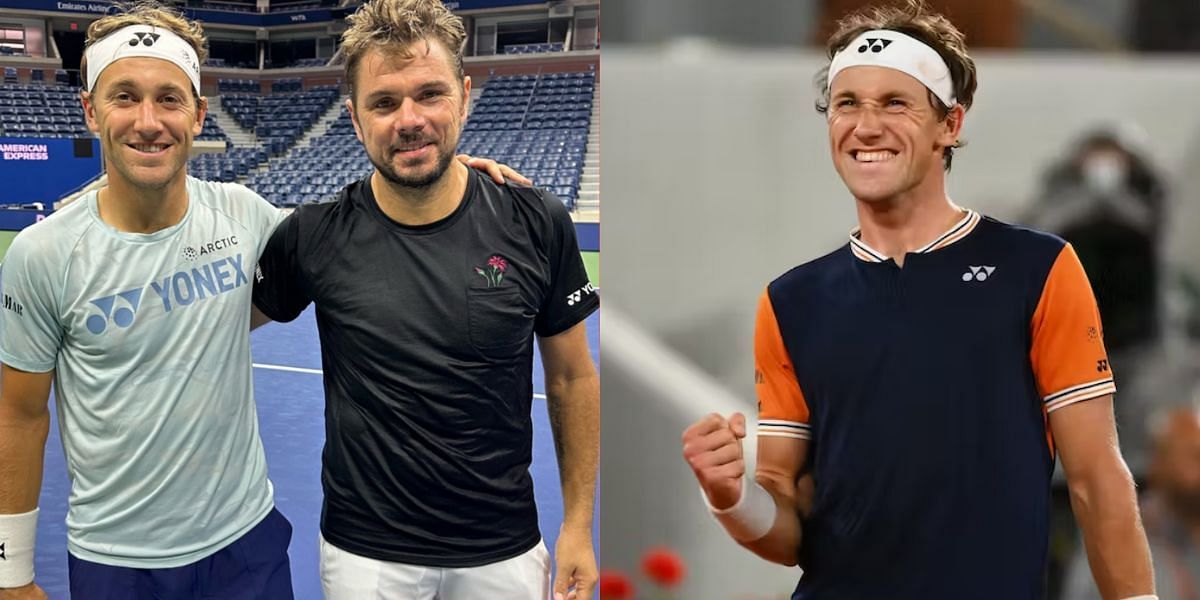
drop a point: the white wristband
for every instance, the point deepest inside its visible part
(751, 517)
(1143, 597)
(17, 533)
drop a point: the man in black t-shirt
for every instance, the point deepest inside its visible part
(430, 283)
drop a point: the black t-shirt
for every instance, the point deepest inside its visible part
(426, 343)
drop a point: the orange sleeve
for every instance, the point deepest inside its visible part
(1068, 356)
(782, 411)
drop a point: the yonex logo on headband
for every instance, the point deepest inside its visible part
(146, 39)
(874, 45)
(904, 53)
(142, 41)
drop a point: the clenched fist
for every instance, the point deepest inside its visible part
(713, 448)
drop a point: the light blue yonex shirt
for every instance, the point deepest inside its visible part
(149, 337)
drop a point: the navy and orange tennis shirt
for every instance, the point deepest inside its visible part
(925, 393)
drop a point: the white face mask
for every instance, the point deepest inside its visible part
(1105, 173)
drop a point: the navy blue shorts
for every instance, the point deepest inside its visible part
(255, 567)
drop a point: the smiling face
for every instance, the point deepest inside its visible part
(884, 134)
(409, 112)
(146, 116)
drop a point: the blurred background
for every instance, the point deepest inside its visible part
(719, 180)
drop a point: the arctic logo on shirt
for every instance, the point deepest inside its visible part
(180, 289)
(192, 253)
(978, 273)
(578, 294)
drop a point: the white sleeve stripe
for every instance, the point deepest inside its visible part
(1079, 396)
(787, 434)
(1077, 388)
(778, 423)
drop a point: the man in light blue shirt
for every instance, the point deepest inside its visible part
(135, 302)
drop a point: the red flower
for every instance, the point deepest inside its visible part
(614, 585)
(498, 262)
(664, 567)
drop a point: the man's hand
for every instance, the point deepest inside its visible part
(495, 170)
(713, 449)
(25, 592)
(576, 572)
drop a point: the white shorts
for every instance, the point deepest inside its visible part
(347, 576)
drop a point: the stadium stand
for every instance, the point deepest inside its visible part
(40, 110)
(229, 166)
(238, 86)
(212, 130)
(282, 117)
(533, 48)
(52, 111)
(295, 6)
(317, 171)
(229, 6)
(310, 62)
(536, 124)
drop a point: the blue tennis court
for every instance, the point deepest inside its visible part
(287, 381)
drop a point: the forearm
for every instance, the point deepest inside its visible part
(781, 544)
(574, 407)
(22, 450)
(1105, 507)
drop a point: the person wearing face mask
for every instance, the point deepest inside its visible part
(1107, 201)
(917, 385)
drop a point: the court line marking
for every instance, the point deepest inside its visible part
(320, 372)
(291, 369)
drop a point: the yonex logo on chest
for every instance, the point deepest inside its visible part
(121, 315)
(179, 289)
(980, 273)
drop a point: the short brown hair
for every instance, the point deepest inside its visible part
(146, 12)
(932, 29)
(397, 24)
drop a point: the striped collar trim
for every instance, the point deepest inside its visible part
(959, 231)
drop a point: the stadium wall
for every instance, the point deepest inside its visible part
(45, 169)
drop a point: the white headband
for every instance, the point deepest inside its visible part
(894, 50)
(142, 40)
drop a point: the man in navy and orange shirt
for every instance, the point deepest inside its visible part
(927, 374)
